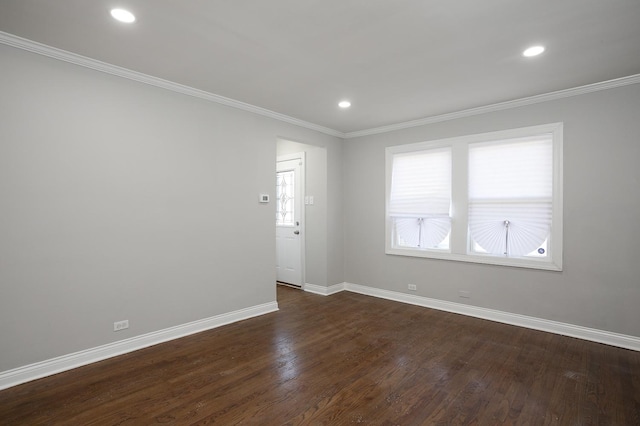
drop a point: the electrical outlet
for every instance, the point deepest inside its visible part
(120, 325)
(464, 294)
(412, 287)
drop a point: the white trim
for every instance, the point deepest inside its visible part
(516, 103)
(52, 366)
(585, 333)
(63, 55)
(83, 61)
(324, 291)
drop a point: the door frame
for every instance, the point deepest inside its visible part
(303, 217)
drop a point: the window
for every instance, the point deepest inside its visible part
(420, 198)
(490, 198)
(285, 196)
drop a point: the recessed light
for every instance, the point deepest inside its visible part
(123, 15)
(533, 51)
(344, 104)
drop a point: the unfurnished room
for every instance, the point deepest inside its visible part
(320, 213)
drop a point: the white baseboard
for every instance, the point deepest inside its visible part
(52, 366)
(585, 333)
(324, 291)
(38, 370)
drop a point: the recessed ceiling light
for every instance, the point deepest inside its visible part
(344, 104)
(533, 51)
(123, 15)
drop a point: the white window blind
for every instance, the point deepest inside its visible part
(420, 198)
(511, 196)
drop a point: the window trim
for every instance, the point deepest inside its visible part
(459, 240)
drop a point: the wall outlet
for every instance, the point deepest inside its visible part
(120, 325)
(464, 294)
(412, 287)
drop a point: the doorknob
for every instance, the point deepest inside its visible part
(296, 232)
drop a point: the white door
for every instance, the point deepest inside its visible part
(289, 193)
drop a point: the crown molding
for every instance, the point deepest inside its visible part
(63, 55)
(545, 97)
(94, 64)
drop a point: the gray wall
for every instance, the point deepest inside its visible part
(600, 284)
(124, 201)
(335, 216)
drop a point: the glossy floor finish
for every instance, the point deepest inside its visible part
(344, 359)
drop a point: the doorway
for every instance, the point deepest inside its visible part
(290, 219)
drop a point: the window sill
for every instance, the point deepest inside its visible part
(473, 258)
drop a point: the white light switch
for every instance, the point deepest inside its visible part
(264, 198)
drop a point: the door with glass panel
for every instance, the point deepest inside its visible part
(288, 221)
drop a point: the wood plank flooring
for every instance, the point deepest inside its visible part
(345, 359)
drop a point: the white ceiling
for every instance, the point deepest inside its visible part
(396, 60)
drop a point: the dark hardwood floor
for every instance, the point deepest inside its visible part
(345, 359)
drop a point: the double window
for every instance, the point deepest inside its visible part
(490, 198)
